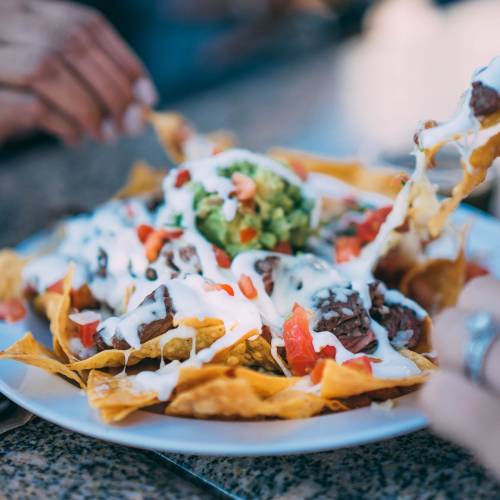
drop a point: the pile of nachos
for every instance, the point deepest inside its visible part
(249, 286)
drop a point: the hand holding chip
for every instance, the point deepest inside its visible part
(458, 408)
(64, 69)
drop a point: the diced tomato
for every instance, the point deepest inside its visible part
(86, 333)
(346, 248)
(299, 347)
(244, 186)
(56, 287)
(317, 371)
(247, 287)
(361, 364)
(299, 169)
(474, 270)
(329, 351)
(369, 228)
(222, 258)
(210, 287)
(143, 231)
(12, 310)
(247, 234)
(283, 247)
(156, 239)
(172, 234)
(86, 323)
(183, 176)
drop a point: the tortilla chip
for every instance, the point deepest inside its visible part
(342, 382)
(236, 398)
(115, 397)
(435, 284)
(143, 179)
(209, 391)
(29, 351)
(57, 308)
(174, 349)
(172, 128)
(11, 267)
(129, 291)
(421, 361)
(378, 180)
(480, 160)
(218, 391)
(247, 352)
(265, 385)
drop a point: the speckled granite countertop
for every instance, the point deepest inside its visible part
(41, 460)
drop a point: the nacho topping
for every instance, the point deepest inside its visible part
(215, 274)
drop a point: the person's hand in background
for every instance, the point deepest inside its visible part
(459, 409)
(65, 70)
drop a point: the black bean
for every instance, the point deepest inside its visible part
(102, 263)
(151, 274)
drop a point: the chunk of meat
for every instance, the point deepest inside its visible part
(341, 311)
(402, 324)
(266, 268)
(187, 254)
(484, 100)
(146, 331)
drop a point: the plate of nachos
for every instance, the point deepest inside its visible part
(245, 303)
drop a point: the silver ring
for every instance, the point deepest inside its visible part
(482, 335)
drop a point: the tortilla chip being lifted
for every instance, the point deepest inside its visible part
(181, 140)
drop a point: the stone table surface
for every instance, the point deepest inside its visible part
(41, 460)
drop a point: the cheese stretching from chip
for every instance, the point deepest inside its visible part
(474, 129)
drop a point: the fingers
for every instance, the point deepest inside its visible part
(465, 413)
(74, 60)
(53, 122)
(117, 55)
(110, 88)
(104, 36)
(18, 112)
(47, 76)
(21, 111)
(450, 334)
(68, 94)
(111, 43)
(481, 294)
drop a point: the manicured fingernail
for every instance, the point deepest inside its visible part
(108, 131)
(145, 92)
(133, 119)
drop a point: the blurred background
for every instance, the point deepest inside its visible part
(336, 77)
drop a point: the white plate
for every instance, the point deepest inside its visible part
(53, 399)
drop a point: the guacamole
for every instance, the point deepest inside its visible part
(278, 213)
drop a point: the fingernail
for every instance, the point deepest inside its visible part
(145, 92)
(108, 131)
(133, 119)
